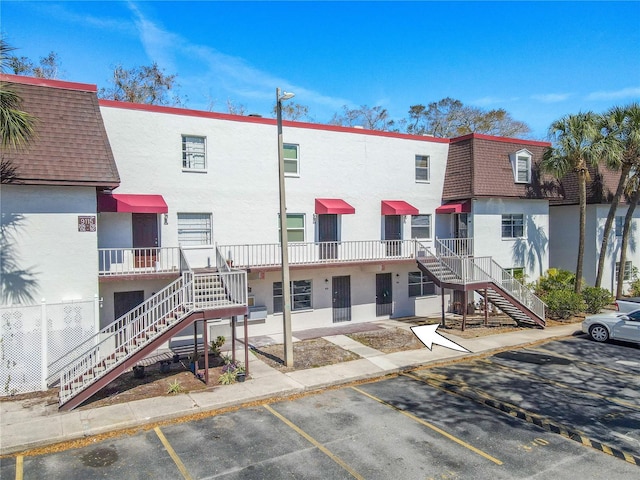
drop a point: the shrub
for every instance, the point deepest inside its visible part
(596, 298)
(216, 345)
(634, 289)
(175, 387)
(227, 378)
(564, 303)
(555, 279)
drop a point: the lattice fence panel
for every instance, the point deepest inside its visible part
(68, 325)
(20, 352)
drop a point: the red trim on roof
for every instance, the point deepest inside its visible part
(263, 121)
(131, 203)
(398, 207)
(45, 82)
(333, 205)
(492, 138)
(455, 207)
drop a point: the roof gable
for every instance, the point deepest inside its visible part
(71, 145)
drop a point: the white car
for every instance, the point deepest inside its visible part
(613, 325)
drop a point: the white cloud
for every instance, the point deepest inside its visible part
(230, 77)
(624, 93)
(551, 97)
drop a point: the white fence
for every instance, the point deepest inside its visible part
(29, 344)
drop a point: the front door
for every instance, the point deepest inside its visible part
(124, 302)
(384, 294)
(328, 236)
(145, 239)
(393, 234)
(341, 287)
(461, 225)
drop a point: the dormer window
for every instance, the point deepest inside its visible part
(521, 164)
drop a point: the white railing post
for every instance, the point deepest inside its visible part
(44, 339)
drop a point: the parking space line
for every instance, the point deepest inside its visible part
(619, 401)
(432, 427)
(483, 398)
(172, 453)
(19, 467)
(315, 443)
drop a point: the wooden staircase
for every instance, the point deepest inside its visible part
(119, 346)
(484, 276)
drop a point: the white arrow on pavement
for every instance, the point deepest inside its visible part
(427, 334)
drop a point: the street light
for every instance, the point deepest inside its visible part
(284, 240)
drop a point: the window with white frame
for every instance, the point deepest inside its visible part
(516, 272)
(300, 295)
(194, 153)
(513, 225)
(291, 159)
(421, 226)
(295, 227)
(619, 226)
(628, 269)
(194, 229)
(422, 168)
(420, 285)
(521, 163)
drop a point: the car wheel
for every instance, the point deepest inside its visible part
(599, 333)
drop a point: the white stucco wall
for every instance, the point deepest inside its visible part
(46, 240)
(530, 251)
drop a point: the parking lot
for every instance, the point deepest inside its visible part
(568, 409)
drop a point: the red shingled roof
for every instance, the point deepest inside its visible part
(71, 146)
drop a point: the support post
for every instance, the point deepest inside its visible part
(233, 339)
(464, 309)
(205, 338)
(443, 313)
(44, 338)
(486, 313)
(246, 344)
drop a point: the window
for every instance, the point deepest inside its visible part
(619, 226)
(295, 227)
(193, 153)
(628, 268)
(421, 226)
(194, 229)
(290, 156)
(513, 225)
(300, 295)
(516, 272)
(420, 285)
(422, 168)
(521, 163)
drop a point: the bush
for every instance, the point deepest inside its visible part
(596, 298)
(634, 289)
(555, 279)
(564, 303)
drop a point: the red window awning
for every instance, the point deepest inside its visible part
(131, 203)
(454, 207)
(398, 207)
(333, 205)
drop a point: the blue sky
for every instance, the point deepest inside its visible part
(537, 60)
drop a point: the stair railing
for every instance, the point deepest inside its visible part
(450, 264)
(141, 318)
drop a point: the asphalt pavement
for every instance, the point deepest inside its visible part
(30, 424)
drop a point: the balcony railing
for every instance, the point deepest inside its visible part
(268, 255)
(137, 261)
(462, 247)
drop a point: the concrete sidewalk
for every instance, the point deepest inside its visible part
(30, 424)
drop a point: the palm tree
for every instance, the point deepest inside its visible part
(577, 144)
(633, 196)
(621, 127)
(16, 127)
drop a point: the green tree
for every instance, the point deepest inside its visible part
(48, 67)
(633, 196)
(576, 145)
(370, 118)
(451, 118)
(16, 126)
(621, 127)
(146, 84)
